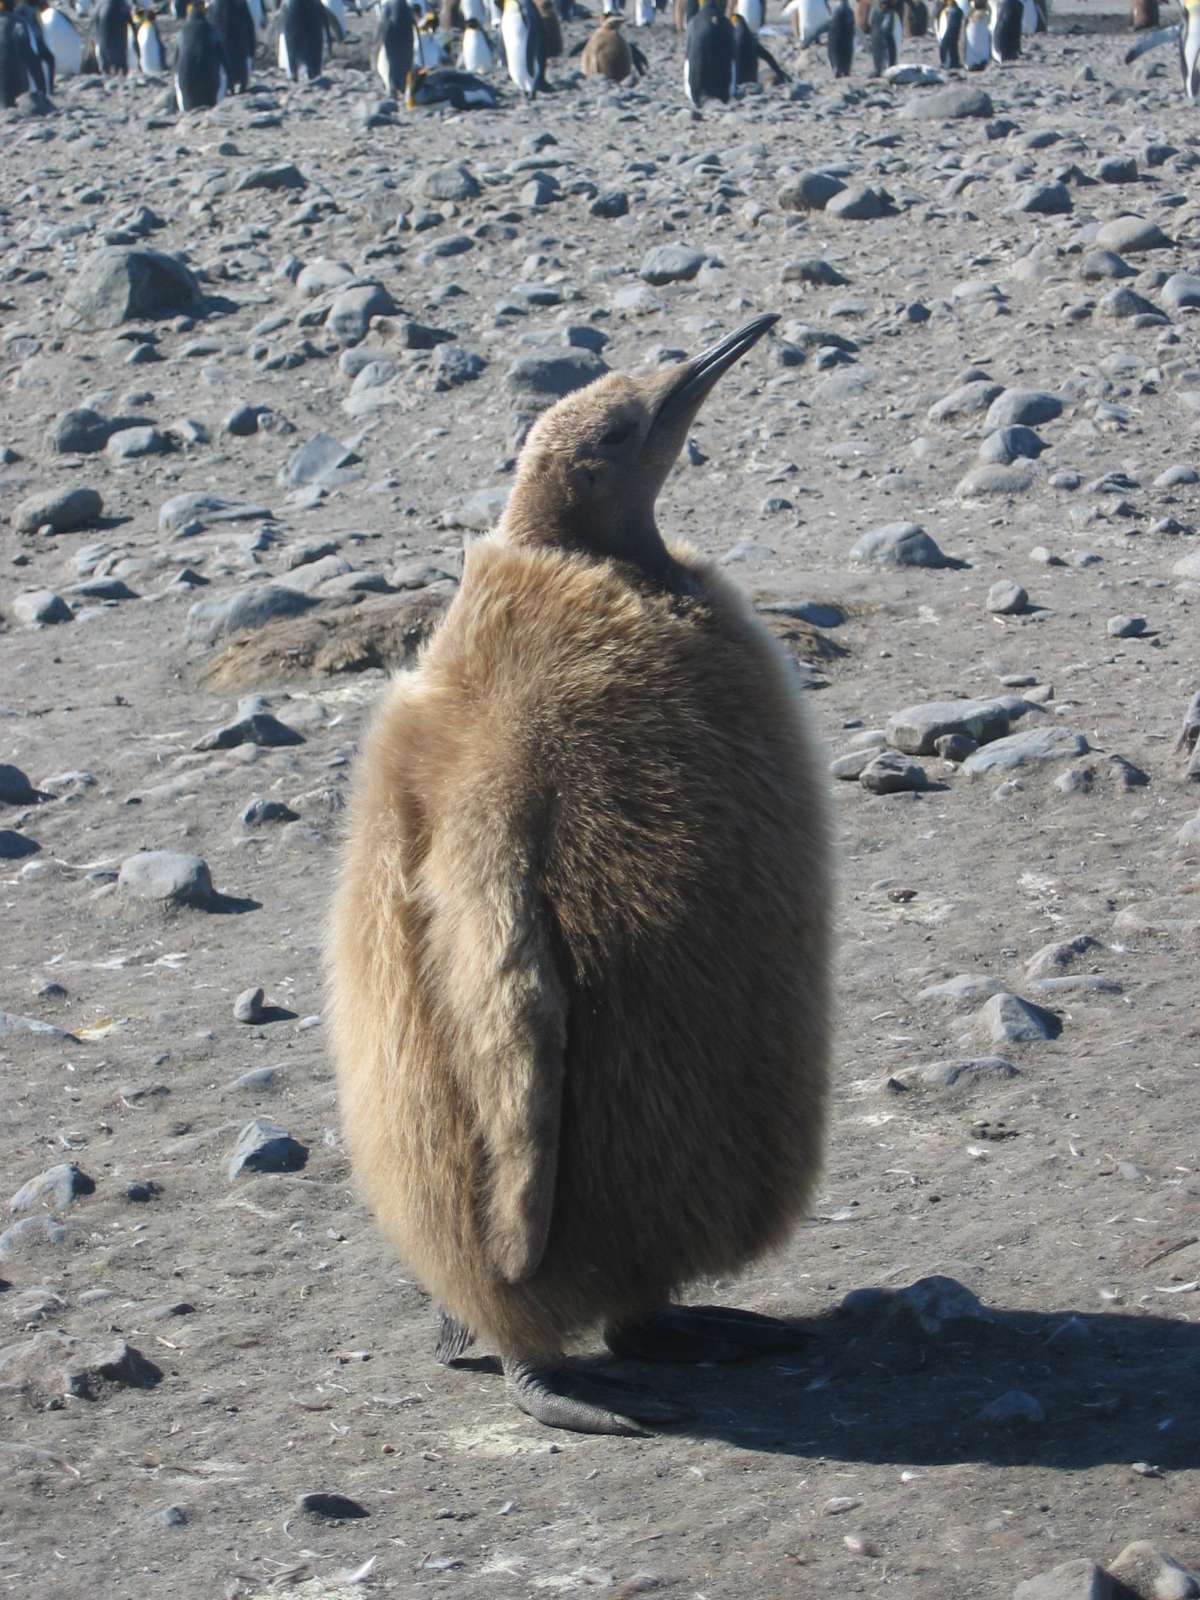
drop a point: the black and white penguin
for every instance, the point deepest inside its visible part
(393, 45)
(524, 41)
(462, 90)
(45, 56)
(201, 70)
(145, 45)
(63, 41)
(949, 34)
(111, 28)
(20, 69)
(886, 30)
(840, 40)
(709, 56)
(753, 12)
(1189, 48)
(235, 23)
(748, 52)
(1005, 22)
(476, 53)
(810, 18)
(977, 37)
(305, 27)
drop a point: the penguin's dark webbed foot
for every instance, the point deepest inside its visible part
(453, 1340)
(563, 1396)
(694, 1334)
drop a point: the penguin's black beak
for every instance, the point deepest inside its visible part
(691, 383)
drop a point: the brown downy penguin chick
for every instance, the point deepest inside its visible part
(581, 943)
(862, 16)
(608, 54)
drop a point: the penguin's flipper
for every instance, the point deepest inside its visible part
(705, 1333)
(765, 55)
(580, 1400)
(638, 59)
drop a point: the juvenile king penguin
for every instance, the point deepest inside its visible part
(524, 45)
(1005, 22)
(1189, 48)
(887, 31)
(111, 28)
(977, 42)
(476, 52)
(20, 69)
(841, 39)
(749, 51)
(709, 56)
(235, 23)
(580, 950)
(63, 42)
(393, 45)
(949, 35)
(306, 27)
(608, 54)
(201, 70)
(144, 37)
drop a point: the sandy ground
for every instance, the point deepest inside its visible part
(279, 1350)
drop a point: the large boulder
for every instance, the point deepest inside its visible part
(350, 314)
(948, 105)
(64, 510)
(540, 380)
(118, 285)
(671, 263)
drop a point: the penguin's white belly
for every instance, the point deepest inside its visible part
(284, 63)
(258, 15)
(643, 13)
(979, 44)
(814, 15)
(1190, 47)
(1029, 17)
(384, 69)
(687, 80)
(63, 43)
(516, 43)
(150, 54)
(337, 11)
(752, 13)
(476, 53)
(222, 84)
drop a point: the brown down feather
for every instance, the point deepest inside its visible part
(606, 54)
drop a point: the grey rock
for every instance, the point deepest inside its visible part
(200, 509)
(1181, 289)
(478, 511)
(897, 544)
(248, 608)
(454, 366)
(1126, 627)
(1029, 749)
(1120, 304)
(1053, 958)
(57, 1187)
(1097, 265)
(810, 611)
(15, 787)
(541, 380)
(967, 989)
(248, 1007)
(540, 191)
(1007, 445)
(167, 876)
(253, 724)
(259, 812)
(350, 314)
(31, 1231)
(671, 263)
(1025, 406)
(851, 766)
(1013, 1409)
(120, 285)
(272, 179)
(79, 432)
(811, 191)
(916, 729)
(64, 510)
(966, 400)
(451, 182)
(1073, 1580)
(411, 335)
(242, 421)
(610, 204)
(955, 747)
(1117, 169)
(1131, 236)
(168, 1517)
(257, 1078)
(947, 105)
(331, 1507)
(848, 384)
(965, 1072)
(1010, 1020)
(11, 1023)
(1175, 476)
(264, 1146)
(316, 461)
(1151, 1573)
(323, 277)
(130, 444)
(118, 1363)
(858, 205)
(40, 608)
(1076, 780)
(1006, 598)
(1064, 480)
(926, 1305)
(892, 772)
(813, 269)
(1044, 199)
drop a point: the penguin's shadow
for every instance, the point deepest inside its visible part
(1112, 1387)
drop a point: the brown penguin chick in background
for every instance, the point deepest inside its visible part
(581, 943)
(862, 16)
(608, 54)
(450, 17)
(1143, 14)
(916, 19)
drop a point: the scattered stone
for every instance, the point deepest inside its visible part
(1117, 169)
(350, 314)
(246, 609)
(540, 380)
(671, 263)
(63, 510)
(168, 1517)
(1073, 1580)
(454, 366)
(892, 772)
(966, 400)
(1180, 291)
(253, 724)
(955, 747)
(272, 179)
(1126, 627)
(57, 1186)
(859, 205)
(119, 285)
(1097, 265)
(1006, 598)
(196, 511)
(316, 461)
(967, 989)
(248, 1007)
(242, 421)
(131, 444)
(916, 729)
(118, 1363)
(1007, 445)
(1013, 1409)
(1023, 406)
(260, 812)
(1044, 200)
(1150, 1573)
(165, 876)
(898, 544)
(40, 608)
(813, 270)
(1131, 236)
(331, 1507)
(610, 204)
(948, 105)
(11, 1023)
(30, 1231)
(264, 1146)
(1053, 958)
(1028, 749)
(923, 1307)
(82, 432)
(948, 1074)
(1009, 1020)
(811, 191)
(994, 479)
(451, 182)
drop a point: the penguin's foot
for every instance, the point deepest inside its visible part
(453, 1340)
(563, 1396)
(704, 1333)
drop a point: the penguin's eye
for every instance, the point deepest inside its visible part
(616, 436)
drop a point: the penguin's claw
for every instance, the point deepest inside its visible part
(691, 1334)
(562, 1397)
(453, 1340)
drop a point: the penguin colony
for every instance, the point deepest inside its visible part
(580, 948)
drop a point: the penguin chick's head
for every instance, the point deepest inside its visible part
(592, 467)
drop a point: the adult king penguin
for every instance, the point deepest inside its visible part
(63, 41)
(840, 40)
(581, 943)
(1189, 48)
(394, 45)
(44, 81)
(709, 56)
(20, 69)
(110, 23)
(1005, 22)
(948, 28)
(886, 28)
(234, 21)
(305, 28)
(476, 52)
(748, 51)
(144, 39)
(201, 70)
(523, 38)
(977, 37)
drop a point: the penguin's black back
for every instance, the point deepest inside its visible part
(304, 35)
(840, 40)
(1006, 35)
(745, 51)
(199, 63)
(16, 60)
(883, 37)
(535, 43)
(43, 75)
(711, 51)
(949, 45)
(233, 22)
(394, 36)
(112, 36)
